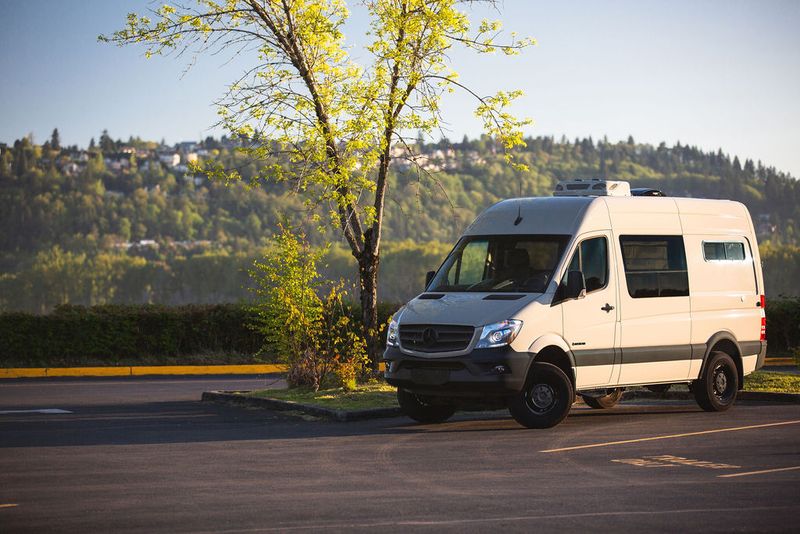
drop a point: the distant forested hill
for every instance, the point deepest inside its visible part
(126, 221)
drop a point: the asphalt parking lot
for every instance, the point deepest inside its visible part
(143, 455)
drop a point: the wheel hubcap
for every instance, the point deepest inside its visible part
(720, 381)
(542, 396)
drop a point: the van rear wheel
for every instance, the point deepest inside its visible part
(715, 390)
(546, 398)
(601, 402)
(422, 409)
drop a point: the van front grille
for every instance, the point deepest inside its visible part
(435, 337)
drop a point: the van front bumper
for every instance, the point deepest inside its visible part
(481, 373)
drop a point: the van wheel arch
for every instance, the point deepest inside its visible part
(724, 342)
(555, 356)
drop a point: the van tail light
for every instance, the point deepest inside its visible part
(763, 329)
(762, 303)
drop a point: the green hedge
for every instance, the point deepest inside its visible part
(111, 333)
(75, 335)
(108, 334)
(783, 325)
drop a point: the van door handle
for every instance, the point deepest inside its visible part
(607, 308)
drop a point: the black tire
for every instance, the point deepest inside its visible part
(715, 390)
(546, 398)
(422, 410)
(602, 402)
(658, 389)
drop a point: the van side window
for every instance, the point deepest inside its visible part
(591, 258)
(723, 251)
(655, 266)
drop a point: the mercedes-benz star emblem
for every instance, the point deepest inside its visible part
(429, 337)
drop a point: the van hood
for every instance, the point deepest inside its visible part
(469, 309)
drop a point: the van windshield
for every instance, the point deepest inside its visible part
(500, 263)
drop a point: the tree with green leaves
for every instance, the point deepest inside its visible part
(107, 144)
(319, 119)
(55, 140)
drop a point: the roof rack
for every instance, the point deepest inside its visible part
(647, 192)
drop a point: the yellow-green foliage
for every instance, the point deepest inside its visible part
(313, 335)
(370, 395)
(770, 381)
(309, 103)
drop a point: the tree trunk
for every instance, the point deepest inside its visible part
(368, 277)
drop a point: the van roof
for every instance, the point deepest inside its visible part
(573, 215)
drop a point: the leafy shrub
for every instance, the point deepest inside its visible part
(315, 336)
(783, 325)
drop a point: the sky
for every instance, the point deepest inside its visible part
(711, 73)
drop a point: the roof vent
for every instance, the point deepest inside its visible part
(592, 188)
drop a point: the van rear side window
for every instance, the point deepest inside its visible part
(723, 251)
(655, 266)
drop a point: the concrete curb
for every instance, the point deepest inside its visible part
(150, 370)
(236, 398)
(763, 396)
(776, 362)
(145, 370)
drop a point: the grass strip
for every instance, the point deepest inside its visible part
(771, 381)
(372, 395)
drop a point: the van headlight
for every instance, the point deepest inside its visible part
(392, 332)
(498, 334)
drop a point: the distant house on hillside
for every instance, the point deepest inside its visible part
(118, 161)
(71, 168)
(764, 224)
(187, 146)
(170, 159)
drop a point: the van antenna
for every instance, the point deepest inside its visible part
(519, 204)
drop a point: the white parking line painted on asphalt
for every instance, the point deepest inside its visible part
(44, 410)
(668, 460)
(763, 471)
(671, 436)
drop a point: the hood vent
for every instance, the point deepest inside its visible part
(503, 297)
(430, 296)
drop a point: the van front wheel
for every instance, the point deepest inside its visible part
(715, 390)
(546, 398)
(421, 409)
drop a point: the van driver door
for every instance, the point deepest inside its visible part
(590, 323)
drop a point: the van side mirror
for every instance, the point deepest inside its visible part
(429, 277)
(576, 285)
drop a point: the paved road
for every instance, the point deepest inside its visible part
(142, 455)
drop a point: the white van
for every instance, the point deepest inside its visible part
(587, 292)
